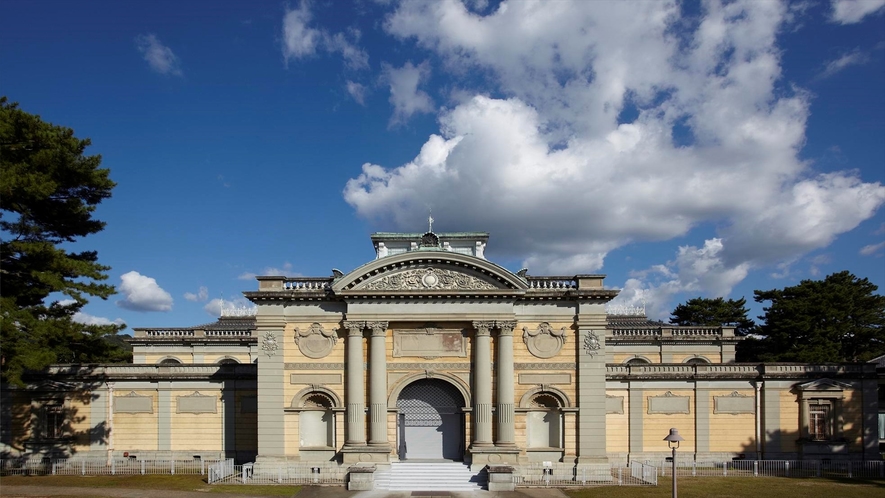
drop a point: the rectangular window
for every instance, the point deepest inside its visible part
(54, 420)
(882, 426)
(820, 422)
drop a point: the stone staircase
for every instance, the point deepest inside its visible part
(430, 476)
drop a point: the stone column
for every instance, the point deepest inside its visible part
(355, 395)
(482, 385)
(378, 384)
(505, 407)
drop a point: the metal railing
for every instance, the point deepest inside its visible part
(94, 467)
(637, 474)
(777, 468)
(326, 473)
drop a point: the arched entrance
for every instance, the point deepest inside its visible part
(430, 424)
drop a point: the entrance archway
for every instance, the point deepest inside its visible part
(431, 422)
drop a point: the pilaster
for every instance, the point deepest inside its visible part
(271, 385)
(635, 419)
(591, 394)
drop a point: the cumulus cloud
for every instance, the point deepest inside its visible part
(695, 270)
(853, 58)
(853, 11)
(551, 163)
(87, 319)
(215, 306)
(302, 40)
(201, 295)
(405, 96)
(160, 57)
(141, 293)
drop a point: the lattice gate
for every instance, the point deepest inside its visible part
(431, 422)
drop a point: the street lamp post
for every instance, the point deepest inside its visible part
(673, 442)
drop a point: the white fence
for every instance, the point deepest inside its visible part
(90, 467)
(324, 473)
(776, 468)
(637, 474)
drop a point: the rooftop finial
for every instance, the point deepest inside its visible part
(430, 221)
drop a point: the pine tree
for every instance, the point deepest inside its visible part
(48, 192)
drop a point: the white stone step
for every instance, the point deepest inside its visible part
(429, 476)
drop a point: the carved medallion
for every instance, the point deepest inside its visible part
(591, 343)
(315, 342)
(428, 279)
(545, 341)
(269, 344)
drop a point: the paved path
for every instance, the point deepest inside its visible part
(306, 492)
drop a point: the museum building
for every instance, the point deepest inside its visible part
(432, 352)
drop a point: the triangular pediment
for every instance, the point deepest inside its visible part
(427, 278)
(822, 385)
(446, 272)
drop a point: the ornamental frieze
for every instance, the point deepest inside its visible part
(428, 279)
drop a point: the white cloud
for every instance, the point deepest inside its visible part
(301, 40)
(214, 306)
(872, 249)
(853, 11)
(852, 58)
(357, 91)
(201, 295)
(271, 271)
(143, 294)
(405, 96)
(698, 271)
(158, 56)
(87, 319)
(551, 167)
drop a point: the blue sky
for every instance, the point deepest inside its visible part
(681, 148)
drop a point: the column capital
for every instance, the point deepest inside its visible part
(378, 328)
(505, 327)
(354, 328)
(483, 328)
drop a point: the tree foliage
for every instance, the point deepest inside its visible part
(48, 192)
(718, 311)
(837, 319)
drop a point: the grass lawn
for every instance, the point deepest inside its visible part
(750, 487)
(166, 482)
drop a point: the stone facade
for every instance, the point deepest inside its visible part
(432, 351)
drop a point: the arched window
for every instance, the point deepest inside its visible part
(170, 361)
(637, 360)
(316, 421)
(698, 360)
(227, 360)
(544, 421)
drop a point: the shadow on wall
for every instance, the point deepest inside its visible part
(50, 416)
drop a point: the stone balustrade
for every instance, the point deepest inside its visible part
(307, 283)
(552, 283)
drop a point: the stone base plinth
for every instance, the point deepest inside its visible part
(361, 477)
(501, 478)
(480, 457)
(365, 454)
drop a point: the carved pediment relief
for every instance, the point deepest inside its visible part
(426, 279)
